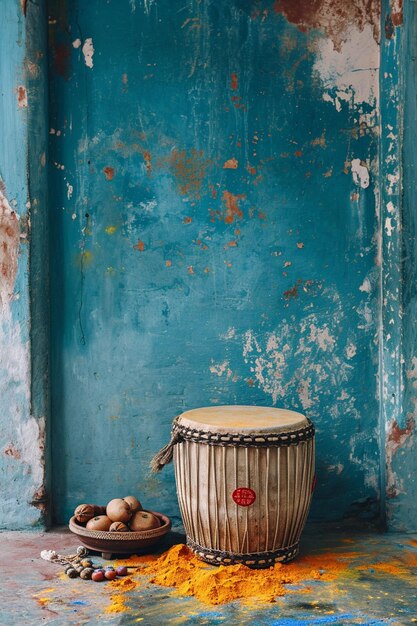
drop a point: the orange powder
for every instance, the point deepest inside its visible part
(181, 569)
(385, 568)
(118, 600)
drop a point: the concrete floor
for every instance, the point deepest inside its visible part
(378, 586)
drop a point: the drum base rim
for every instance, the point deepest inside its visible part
(253, 560)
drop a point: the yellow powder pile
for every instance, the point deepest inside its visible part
(181, 569)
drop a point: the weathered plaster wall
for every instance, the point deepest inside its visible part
(214, 233)
(232, 203)
(400, 268)
(22, 415)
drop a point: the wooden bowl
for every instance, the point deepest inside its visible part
(108, 543)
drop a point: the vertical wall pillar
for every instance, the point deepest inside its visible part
(23, 265)
(398, 340)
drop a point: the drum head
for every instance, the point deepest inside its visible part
(242, 419)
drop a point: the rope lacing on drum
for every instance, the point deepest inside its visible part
(180, 432)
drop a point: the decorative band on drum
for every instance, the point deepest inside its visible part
(180, 433)
(256, 560)
(287, 438)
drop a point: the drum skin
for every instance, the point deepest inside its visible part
(244, 504)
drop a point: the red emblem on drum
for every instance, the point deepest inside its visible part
(243, 496)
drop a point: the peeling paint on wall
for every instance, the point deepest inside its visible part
(334, 17)
(396, 7)
(349, 74)
(396, 438)
(31, 443)
(88, 52)
(230, 137)
(9, 248)
(22, 97)
(360, 173)
(22, 434)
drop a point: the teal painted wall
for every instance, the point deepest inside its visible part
(23, 327)
(401, 457)
(213, 237)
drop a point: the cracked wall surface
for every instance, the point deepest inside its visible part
(22, 427)
(214, 234)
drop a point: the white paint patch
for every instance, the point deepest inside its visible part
(360, 173)
(76, 43)
(149, 206)
(353, 72)
(219, 368)
(31, 441)
(338, 469)
(366, 286)
(250, 344)
(132, 5)
(304, 394)
(229, 334)
(9, 249)
(350, 351)
(366, 313)
(393, 180)
(390, 207)
(389, 228)
(70, 191)
(343, 396)
(88, 52)
(322, 337)
(412, 372)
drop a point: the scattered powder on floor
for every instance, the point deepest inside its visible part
(42, 599)
(181, 569)
(393, 569)
(119, 588)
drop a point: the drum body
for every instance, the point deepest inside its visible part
(244, 479)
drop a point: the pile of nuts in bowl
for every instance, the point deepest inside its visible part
(121, 515)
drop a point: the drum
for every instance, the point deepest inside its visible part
(245, 477)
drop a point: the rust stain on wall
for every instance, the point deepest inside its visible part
(396, 438)
(109, 172)
(9, 247)
(234, 81)
(396, 7)
(292, 292)
(22, 97)
(139, 246)
(189, 170)
(231, 164)
(148, 161)
(233, 210)
(334, 17)
(23, 6)
(40, 499)
(11, 450)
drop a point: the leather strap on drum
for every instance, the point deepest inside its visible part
(185, 433)
(165, 454)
